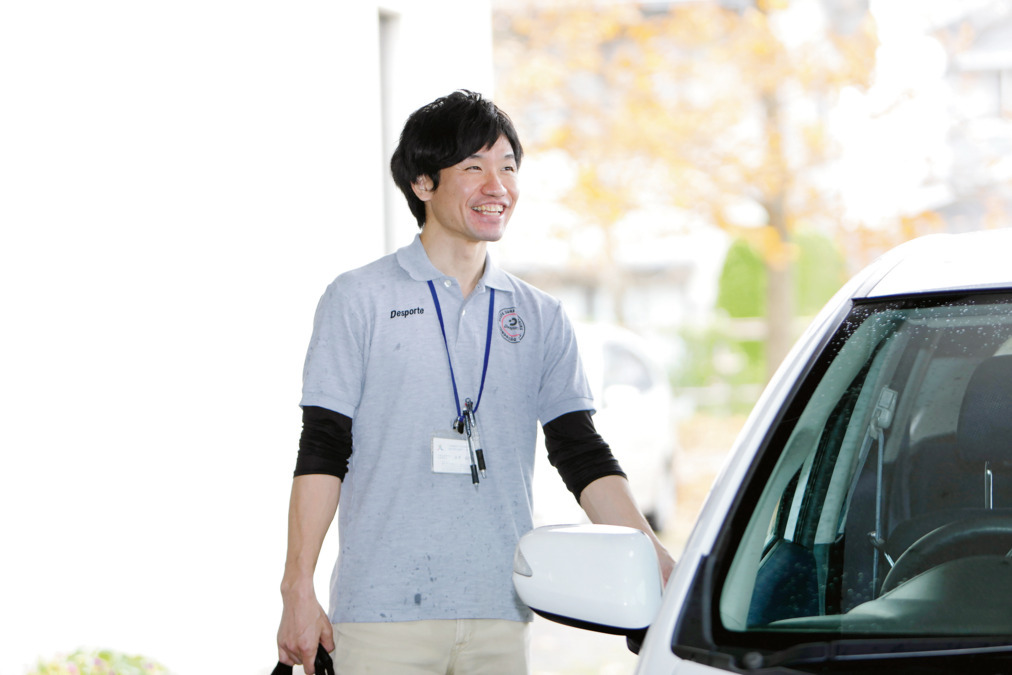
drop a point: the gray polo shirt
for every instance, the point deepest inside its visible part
(415, 544)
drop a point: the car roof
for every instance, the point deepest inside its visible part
(942, 262)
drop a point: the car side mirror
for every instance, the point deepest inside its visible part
(598, 577)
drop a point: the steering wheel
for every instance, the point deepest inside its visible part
(981, 535)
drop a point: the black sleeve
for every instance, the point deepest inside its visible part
(325, 445)
(578, 452)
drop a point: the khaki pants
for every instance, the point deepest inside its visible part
(455, 647)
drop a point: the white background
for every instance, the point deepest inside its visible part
(178, 183)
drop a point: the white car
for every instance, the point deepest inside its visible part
(633, 399)
(863, 521)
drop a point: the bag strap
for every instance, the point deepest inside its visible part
(324, 664)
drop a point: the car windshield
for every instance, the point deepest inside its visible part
(883, 502)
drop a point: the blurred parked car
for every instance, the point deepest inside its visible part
(863, 522)
(634, 415)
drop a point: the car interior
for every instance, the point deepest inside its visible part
(886, 488)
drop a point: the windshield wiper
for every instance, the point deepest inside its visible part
(874, 650)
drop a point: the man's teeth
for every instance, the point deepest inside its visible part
(489, 208)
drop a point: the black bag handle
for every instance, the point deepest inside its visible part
(324, 665)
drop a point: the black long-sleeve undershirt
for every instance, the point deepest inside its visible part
(578, 452)
(325, 445)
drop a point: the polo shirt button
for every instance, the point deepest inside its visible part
(447, 283)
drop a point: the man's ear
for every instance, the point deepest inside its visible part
(423, 187)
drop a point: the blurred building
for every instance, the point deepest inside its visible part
(979, 178)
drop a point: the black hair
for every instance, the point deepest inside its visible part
(443, 133)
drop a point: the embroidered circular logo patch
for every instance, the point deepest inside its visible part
(511, 326)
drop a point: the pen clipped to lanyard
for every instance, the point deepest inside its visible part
(474, 441)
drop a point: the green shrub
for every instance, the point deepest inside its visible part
(99, 662)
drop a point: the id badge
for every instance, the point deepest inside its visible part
(450, 454)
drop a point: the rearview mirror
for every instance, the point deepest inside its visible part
(599, 577)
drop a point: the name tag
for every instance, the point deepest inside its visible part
(450, 454)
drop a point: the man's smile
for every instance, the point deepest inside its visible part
(489, 208)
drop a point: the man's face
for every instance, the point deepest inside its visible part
(475, 197)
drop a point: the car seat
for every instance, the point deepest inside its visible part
(950, 478)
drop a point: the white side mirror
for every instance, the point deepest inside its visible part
(603, 575)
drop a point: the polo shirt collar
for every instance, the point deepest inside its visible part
(415, 261)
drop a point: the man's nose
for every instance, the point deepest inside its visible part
(494, 186)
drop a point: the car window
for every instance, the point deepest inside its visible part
(886, 503)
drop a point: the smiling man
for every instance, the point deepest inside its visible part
(426, 376)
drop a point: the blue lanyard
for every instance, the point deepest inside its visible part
(488, 348)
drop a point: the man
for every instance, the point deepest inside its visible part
(426, 374)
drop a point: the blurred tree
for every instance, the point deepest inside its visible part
(742, 291)
(821, 271)
(715, 111)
